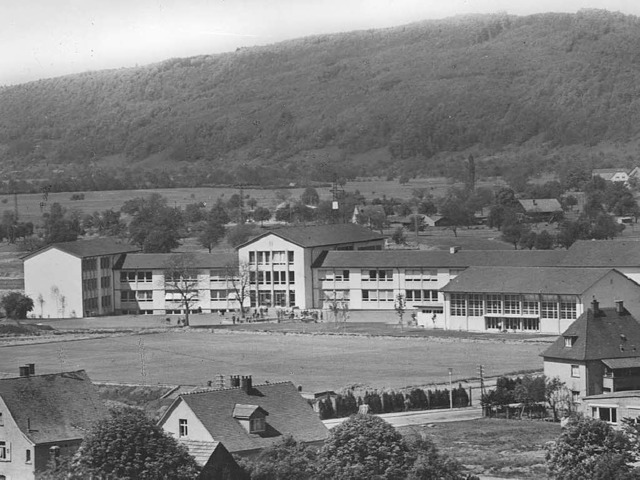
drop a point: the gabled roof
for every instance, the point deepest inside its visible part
(160, 260)
(321, 235)
(541, 205)
(439, 258)
(545, 280)
(88, 248)
(603, 253)
(599, 337)
(53, 407)
(289, 413)
(201, 450)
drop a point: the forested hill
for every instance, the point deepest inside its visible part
(487, 83)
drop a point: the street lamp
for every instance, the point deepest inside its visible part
(450, 389)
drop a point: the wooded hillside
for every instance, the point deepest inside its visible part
(416, 95)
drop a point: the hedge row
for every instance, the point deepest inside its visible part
(388, 402)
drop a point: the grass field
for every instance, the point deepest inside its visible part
(497, 447)
(316, 362)
(30, 210)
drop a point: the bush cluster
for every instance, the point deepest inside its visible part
(344, 405)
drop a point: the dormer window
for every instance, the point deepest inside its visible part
(569, 340)
(251, 417)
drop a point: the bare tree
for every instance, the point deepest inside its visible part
(339, 309)
(181, 279)
(400, 307)
(239, 277)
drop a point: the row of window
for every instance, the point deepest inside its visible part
(545, 306)
(271, 258)
(512, 324)
(272, 278)
(136, 295)
(135, 276)
(90, 284)
(386, 275)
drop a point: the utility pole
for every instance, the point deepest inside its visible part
(241, 204)
(450, 389)
(336, 194)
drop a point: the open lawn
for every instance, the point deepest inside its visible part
(317, 362)
(501, 448)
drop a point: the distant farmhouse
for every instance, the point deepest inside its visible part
(42, 418)
(614, 174)
(541, 210)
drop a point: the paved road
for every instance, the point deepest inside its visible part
(422, 417)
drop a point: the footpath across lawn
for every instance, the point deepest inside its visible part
(496, 447)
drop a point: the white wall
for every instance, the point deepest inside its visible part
(54, 274)
(615, 286)
(196, 430)
(15, 468)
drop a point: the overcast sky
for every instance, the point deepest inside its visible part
(48, 38)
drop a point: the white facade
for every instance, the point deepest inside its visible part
(145, 291)
(15, 462)
(63, 285)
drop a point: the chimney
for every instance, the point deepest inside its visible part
(24, 371)
(246, 384)
(620, 307)
(234, 381)
(453, 250)
(595, 306)
(32, 368)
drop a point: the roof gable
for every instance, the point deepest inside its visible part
(54, 407)
(136, 261)
(545, 280)
(440, 258)
(605, 335)
(88, 248)
(321, 235)
(289, 413)
(603, 253)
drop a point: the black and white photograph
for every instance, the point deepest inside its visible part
(319, 240)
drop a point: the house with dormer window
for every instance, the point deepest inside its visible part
(245, 418)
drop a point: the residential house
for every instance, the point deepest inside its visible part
(215, 461)
(598, 357)
(612, 407)
(612, 174)
(537, 299)
(541, 209)
(623, 255)
(73, 279)
(245, 418)
(373, 216)
(43, 417)
(142, 286)
(372, 280)
(280, 260)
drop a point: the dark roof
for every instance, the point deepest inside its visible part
(545, 280)
(599, 337)
(440, 258)
(88, 248)
(541, 205)
(321, 235)
(57, 407)
(603, 253)
(160, 260)
(615, 363)
(612, 395)
(289, 413)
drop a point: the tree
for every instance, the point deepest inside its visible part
(57, 227)
(127, 445)
(454, 208)
(181, 280)
(310, 196)
(400, 307)
(513, 231)
(211, 233)
(430, 464)
(589, 448)
(240, 234)
(16, 305)
(543, 241)
(155, 226)
(239, 277)
(558, 396)
(364, 446)
(261, 214)
(398, 236)
(286, 458)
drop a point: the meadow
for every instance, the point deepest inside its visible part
(317, 362)
(30, 209)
